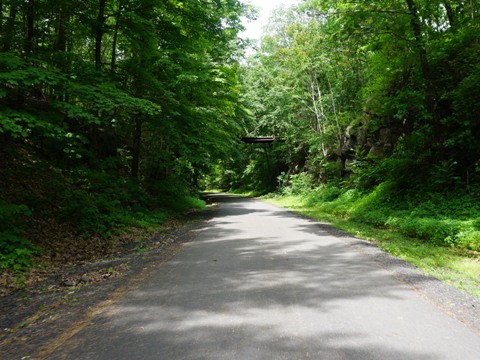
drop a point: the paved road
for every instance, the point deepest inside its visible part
(261, 283)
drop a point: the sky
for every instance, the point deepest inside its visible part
(254, 28)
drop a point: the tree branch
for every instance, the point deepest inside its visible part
(401, 12)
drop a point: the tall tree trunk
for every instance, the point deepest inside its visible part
(30, 26)
(61, 46)
(10, 26)
(318, 110)
(115, 36)
(61, 39)
(450, 12)
(136, 145)
(335, 112)
(422, 52)
(1, 16)
(99, 33)
(473, 8)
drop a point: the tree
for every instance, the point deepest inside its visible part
(147, 88)
(388, 67)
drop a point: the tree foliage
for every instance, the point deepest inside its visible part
(118, 106)
(365, 92)
(142, 91)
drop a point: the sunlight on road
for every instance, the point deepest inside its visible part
(261, 283)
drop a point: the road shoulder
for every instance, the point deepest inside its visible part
(34, 322)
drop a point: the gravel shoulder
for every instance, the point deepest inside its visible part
(36, 320)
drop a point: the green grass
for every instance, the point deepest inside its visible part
(247, 193)
(437, 234)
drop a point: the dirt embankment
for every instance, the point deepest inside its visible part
(36, 320)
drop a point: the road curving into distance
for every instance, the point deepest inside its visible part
(260, 282)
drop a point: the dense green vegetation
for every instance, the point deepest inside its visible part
(377, 106)
(364, 93)
(110, 112)
(114, 113)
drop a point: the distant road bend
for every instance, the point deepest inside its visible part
(260, 282)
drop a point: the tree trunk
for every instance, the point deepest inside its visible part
(60, 45)
(1, 16)
(136, 144)
(450, 13)
(10, 27)
(335, 113)
(99, 33)
(115, 36)
(61, 39)
(30, 26)
(422, 52)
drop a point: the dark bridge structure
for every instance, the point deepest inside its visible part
(260, 140)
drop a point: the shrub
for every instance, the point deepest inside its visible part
(469, 239)
(296, 184)
(181, 203)
(150, 220)
(330, 193)
(375, 207)
(15, 250)
(443, 175)
(91, 213)
(301, 183)
(438, 232)
(376, 218)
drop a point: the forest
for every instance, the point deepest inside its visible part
(115, 114)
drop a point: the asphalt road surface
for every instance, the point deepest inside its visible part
(259, 282)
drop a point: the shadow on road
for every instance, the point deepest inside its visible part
(262, 283)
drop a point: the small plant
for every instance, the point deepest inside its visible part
(444, 175)
(141, 245)
(469, 239)
(330, 193)
(295, 184)
(15, 250)
(140, 248)
(438, 232)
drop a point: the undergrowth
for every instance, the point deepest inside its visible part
(89, 207)
(15, 250)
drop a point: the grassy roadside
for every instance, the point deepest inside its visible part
(407, 233)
